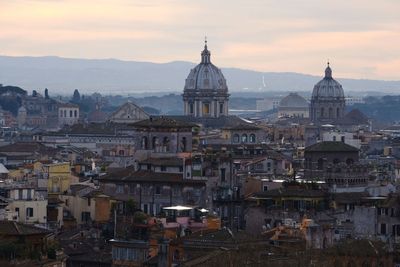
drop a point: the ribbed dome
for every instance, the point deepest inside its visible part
(205, 75)
(328, 87)
(293, 100)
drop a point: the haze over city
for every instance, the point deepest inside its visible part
(360, 38)
(167, 133)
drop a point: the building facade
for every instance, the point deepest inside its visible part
(68, 114)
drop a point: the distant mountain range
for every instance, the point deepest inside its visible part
(63, 75)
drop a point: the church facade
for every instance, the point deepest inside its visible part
(206, 93)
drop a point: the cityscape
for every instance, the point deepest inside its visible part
(150, 160)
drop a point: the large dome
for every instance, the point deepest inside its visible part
(293, 100)
(205, 76)
(328, 87)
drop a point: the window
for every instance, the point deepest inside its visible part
(265, 188)
(252, 138)
(75, 113)
(155, 143)
(383, 229)
(61, 113)
(176, 191)
(206, 108)
(183, 144)
(70, 113)
(320, 164)
(221, 108)
(191, 109)
(145, 208)
(65, 113)
(223, 173)
(29, 212)
(236, 138)
(163, 168)
(120, 189)
(144, 142)
(244, 138)
(166, 144)
(158, 190)
(85, 216)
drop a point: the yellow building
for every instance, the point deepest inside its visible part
(59, 177)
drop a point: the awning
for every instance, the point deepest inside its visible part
(178, 208)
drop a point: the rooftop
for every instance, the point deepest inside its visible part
(14, 228)
(331, 146)
(130, 175)
(163, 122)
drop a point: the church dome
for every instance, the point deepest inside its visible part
(328, 87)
(205, 76)
(293, 100)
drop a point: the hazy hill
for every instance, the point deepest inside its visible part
(116, 76)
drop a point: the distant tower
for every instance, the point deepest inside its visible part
(327, 102)
(21, 117)
(205, 93)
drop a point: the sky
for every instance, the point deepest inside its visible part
(360, 38)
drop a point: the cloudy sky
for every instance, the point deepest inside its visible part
(360, 38)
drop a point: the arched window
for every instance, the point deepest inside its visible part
(236, 138)
(155, 143)
(320, 164)
(70, 113)
(252, 138)
(166, 144)
(244, 138)
(145, 144)
(75, 113)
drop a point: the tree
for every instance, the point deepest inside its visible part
(130, 207)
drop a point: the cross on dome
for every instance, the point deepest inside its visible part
(205, 54)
